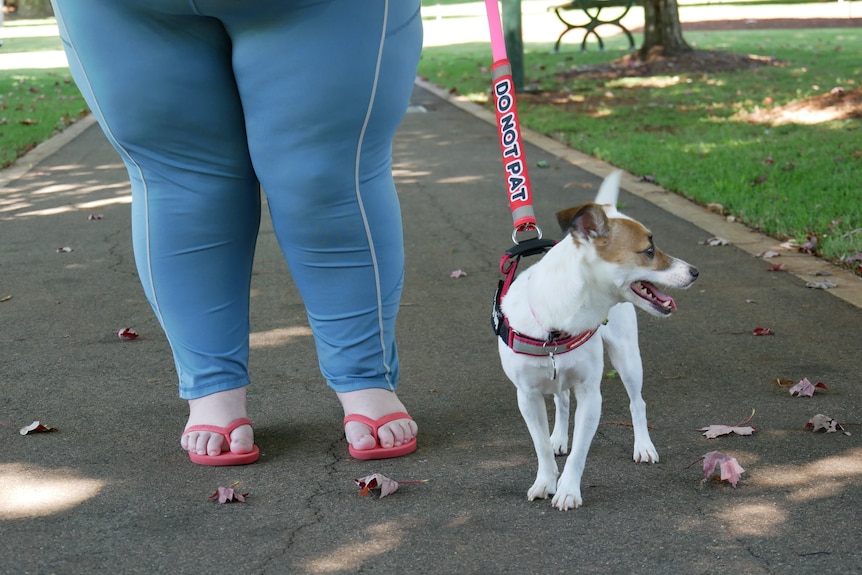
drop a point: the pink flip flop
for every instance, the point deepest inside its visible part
(375, 424)
(225, 457)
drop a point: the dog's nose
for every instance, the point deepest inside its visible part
(693, 272)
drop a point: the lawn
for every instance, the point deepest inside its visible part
(771, 143)
(35, 103)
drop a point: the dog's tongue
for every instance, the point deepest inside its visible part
(655, 294)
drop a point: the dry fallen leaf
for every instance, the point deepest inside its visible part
(806, 388)
(36, 427)
(376, 481)
(762, 331)
(810, 246)
(769, 254)
(379, 481)
(126, 333)
(824, 284)
(715, 241)
(713, 431)
(729, 467)
(825, 422)
(64, 250)
(229, 494)
(758, 180)
(458, 274)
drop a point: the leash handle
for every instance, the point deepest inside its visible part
(498, 45)
(518, 187)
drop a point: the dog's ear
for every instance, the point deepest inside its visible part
(588, 221)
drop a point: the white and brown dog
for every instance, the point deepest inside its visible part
(588, 283)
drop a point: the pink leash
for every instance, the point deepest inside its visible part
(518, 186)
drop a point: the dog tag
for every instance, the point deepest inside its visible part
(552, 369)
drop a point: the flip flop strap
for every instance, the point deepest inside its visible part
(223, 431)
(376, 424)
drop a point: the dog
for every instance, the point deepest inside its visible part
(587, 284)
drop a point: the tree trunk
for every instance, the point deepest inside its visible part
(34, 9)
(662, 30)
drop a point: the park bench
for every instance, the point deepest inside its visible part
(592, 9)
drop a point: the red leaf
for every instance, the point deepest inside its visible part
(763, 331)
(806, 388)
(729, 467)
(127, 333)
(776, 268)
(228, 495)
(376, 481)
(36, 427)
(379, 481)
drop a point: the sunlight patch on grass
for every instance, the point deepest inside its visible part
(645, 82)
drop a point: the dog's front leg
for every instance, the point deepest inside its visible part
(532, 406)
(560, 435)
(588, 411)
(621, 338)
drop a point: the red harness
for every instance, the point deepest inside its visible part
(556, 342)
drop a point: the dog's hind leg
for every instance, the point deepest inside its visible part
(620, 336)
(534, 412)
(560, 435)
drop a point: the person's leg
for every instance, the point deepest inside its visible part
(324, 90)
(158, 77)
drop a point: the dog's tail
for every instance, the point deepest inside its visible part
(610, 189)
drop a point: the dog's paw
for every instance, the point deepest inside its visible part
(560, 444)
(645, 453)
(542, 489)
(567, 499)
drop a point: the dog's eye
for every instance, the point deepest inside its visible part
(649, 252)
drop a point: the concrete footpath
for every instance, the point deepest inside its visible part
(112, 492)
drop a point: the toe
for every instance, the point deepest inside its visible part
(396, 433)
(242, 439)
(214, 444)
(359, 435)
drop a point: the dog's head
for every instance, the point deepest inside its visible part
(626, 259)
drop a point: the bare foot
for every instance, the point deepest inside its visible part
(218, 409)
(376, 403)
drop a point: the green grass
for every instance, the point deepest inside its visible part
(30, 43)
(788, 181)
(35, 105)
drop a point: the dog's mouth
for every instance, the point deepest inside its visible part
(662, 303)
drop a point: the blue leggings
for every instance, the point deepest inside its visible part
(207, 101)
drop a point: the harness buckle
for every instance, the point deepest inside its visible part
(552, 369)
